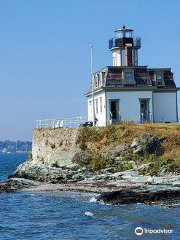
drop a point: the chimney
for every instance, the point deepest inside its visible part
(128, 52)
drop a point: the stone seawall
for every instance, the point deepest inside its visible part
(54, 146)
(53, 152)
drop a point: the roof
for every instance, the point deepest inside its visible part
(113, 77)
(124, 30)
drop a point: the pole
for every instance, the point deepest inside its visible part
(92, 79)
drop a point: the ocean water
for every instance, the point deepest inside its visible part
(67, 215)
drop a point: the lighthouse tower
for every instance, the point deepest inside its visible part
(125, 48)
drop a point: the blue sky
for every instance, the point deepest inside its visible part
(45, 53)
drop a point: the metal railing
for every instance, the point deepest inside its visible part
(120, 42)
(149, 119)
(60, 123)
(118, 119)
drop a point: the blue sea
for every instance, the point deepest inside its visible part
(67, 215)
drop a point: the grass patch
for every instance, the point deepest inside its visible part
(99, 138)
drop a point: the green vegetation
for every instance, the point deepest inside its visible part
(30, 156)
(100, 163)
(53, 145)
(155, 168)
(105, 139)
(124, 167)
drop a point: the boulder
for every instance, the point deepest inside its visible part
(39, 172)
(107, 170)
(147, 195)
(78, 177)
(81, 157)
(146, 144)
(112, 152)
(15, 184)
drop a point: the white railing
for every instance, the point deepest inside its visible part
(119, 116)
(61, 123)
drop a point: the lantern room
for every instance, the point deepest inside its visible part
(125, 47)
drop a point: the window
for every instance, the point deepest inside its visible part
(103, 77)
(129, 77)
(96, 81)
(90, 103)
(100, 80)
(114, 61)
(100, 100)
(159, 79)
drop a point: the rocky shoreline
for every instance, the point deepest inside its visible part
(123, 188)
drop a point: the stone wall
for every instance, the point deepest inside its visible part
(54, 146)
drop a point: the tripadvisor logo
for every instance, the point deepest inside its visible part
(138, 231)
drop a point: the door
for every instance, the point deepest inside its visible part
(114, 111)
(144, 109)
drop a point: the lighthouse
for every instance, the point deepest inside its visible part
(125, 48)
(127, 91)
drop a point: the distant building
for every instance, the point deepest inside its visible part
(12, 147)
(127, 91)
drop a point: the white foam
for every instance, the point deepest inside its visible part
(93, 199)
(90, 214)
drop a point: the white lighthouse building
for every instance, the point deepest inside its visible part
(127, 91)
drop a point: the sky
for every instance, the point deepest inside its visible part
(45, 53)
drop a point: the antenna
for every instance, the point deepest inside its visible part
(92, 79)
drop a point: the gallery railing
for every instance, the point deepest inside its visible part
(121, 42)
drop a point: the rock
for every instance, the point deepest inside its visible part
(162, 172)
(78, 177)
(143, 166)
(134, 165)
(15, 184)
(73, 167)
(81, 157)
(117, 160)
(108, 170)
(117, 175)
(113, 152)
(89, 176)
(89, 145)
(39, 172)
(129, 174)
(145, 144)
(145, 195)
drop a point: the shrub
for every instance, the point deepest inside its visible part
(83, 145)
(100, 163)
(124, 167)
(82, 137)
(30, 156)
(53, 145)
(81, 158)
(155, 168)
